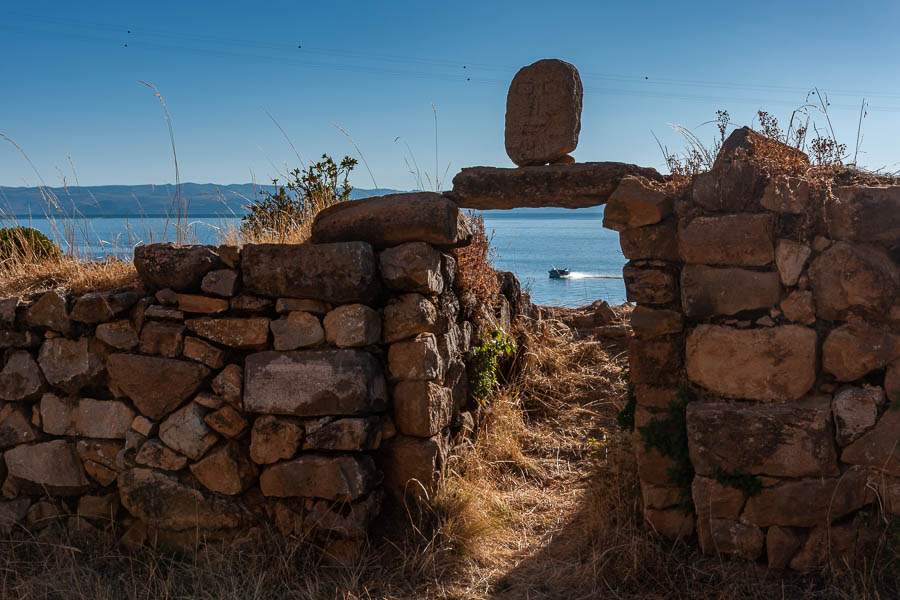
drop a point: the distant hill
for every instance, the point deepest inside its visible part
(204, 199)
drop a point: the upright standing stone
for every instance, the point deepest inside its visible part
(543, 112)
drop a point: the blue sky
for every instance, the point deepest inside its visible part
(69, 80)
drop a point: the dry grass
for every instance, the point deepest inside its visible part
(476, 280)
(76, 276)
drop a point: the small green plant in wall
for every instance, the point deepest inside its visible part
(494, 346)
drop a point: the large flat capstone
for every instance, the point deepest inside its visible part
(567, 186)
(314, 382)
(338, 273)
(773, 364)
(394, 219)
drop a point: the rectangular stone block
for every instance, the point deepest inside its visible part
(314, 383)
(648, 285)
(741, 239)
(772, 364)
(708, 291)
(338, 273)
(85, 417)
(794, 439)
(654, 322)
(656, 361)
(653, 242)
(868, 214)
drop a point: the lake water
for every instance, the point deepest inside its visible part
(529, 243)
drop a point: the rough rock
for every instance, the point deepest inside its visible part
(744, 143)
(394, 219)
(857, 348)
(162, 313)
(297, 330)
(772, 364)
(656, 361)
(316, 307)
(567, 186)
(41, 514)
(782, 544)
(808, 502)
(49, 312)
(412, 267)
(178, 267)
(733, 187)
(15, 427)
(421, 408)
(99, 508)
(99, 459)
(226, 470)
(338, 273)
(412, 465)
(790, 258)
(786, 195)
(652, 396)
(85, 417)
(344, 477)
(8, 308)
(415, 360)
(12, 513)
(844, 544)
(636, 203)
(227, 421)
(878, 447)
(195, 303)
(799, 307)
(157, 455)
(143, 426)
(161, 501)
(92, 308)
(543, 112)
(408, 315)
(352, 325)
(163, 339)
(274, 438)
(743, 240)
(204, 352)
(186, 432)
(853, 279)
(794, 439)
(53, 466)
(866, 214)
(229, 384)
(855, 411)
(672, 523)
(250, 304)
(660, 496)
(653, 467)
(138, 377)
(653, 242)
(118, 334)
(649, 285)
(20, 378)
(709, 291)
(712, 500)
(335, 382)
(238, 333)
(221, 282)
(730, 537)
(350, 434)
(69, 364)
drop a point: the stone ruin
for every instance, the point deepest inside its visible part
(295, 385)
(765, 356)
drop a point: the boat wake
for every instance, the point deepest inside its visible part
(579, 275)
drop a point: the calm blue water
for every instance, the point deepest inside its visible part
(529, 242)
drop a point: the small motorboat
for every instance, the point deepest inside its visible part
(558, 273)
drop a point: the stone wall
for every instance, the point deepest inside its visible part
(765, 358)
(284, 384)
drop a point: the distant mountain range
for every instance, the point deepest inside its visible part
(204, 199)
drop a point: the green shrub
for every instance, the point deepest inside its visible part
(287, 214)
(494, 346)
(25, 242)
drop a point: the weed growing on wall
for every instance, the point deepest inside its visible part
(286, 215)
(668, 436)
(494, 346)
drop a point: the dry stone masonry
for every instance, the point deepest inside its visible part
(765, 359)
(298, 385)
